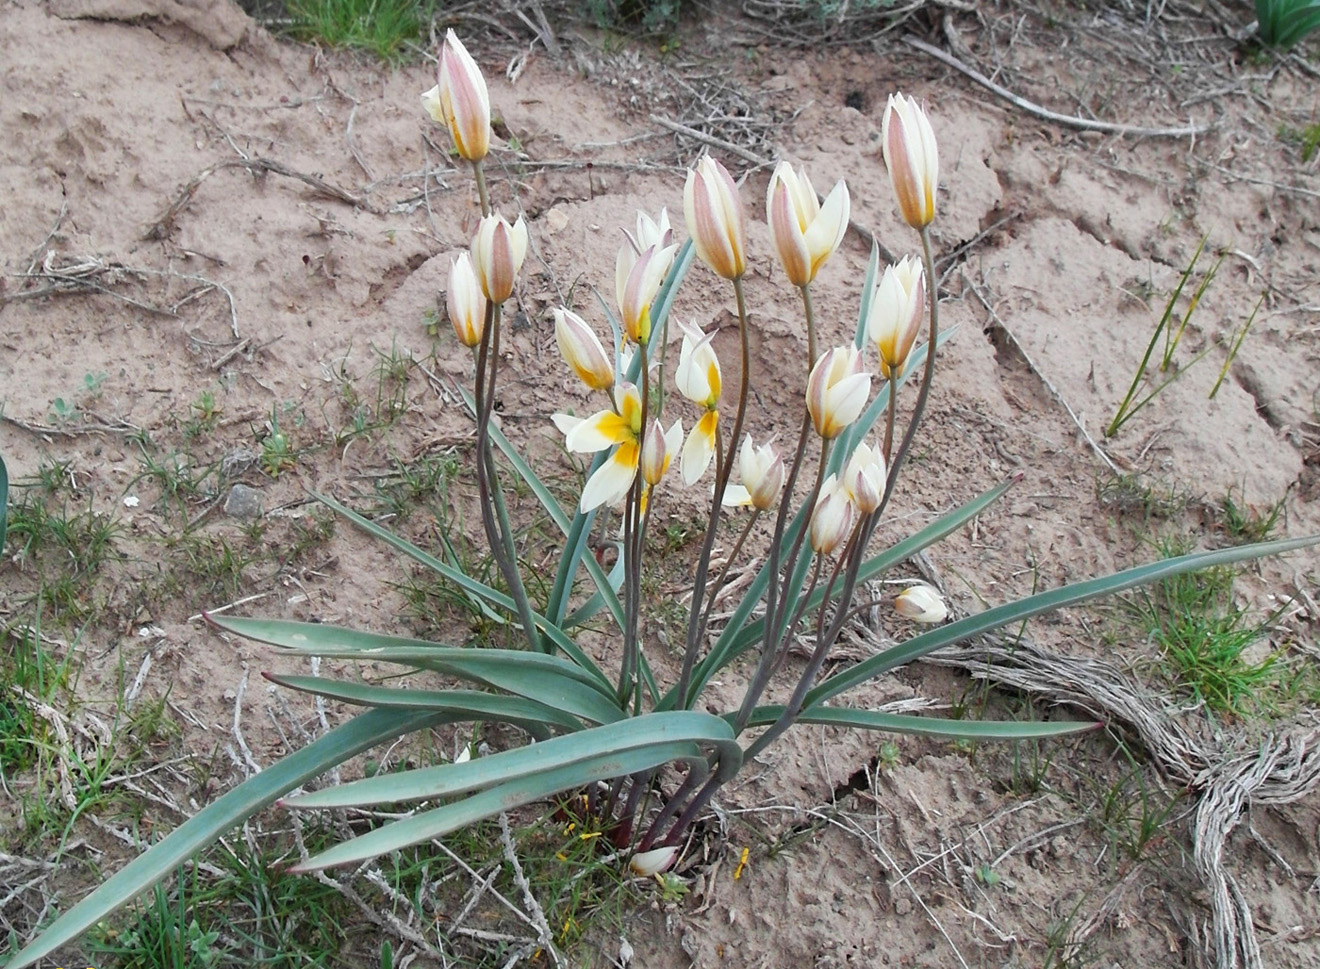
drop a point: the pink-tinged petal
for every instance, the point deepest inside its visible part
(715, 219)
(597, 432)
(582, 351)
(464, 100)
(647, 863)
(831, 519)
(786, 232)
(498, 250)
(911, 153)
(612, 479)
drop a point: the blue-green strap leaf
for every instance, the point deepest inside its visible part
(198, 832)
(468, 704)
(1015, 612)
(926, 726)
(448, 780)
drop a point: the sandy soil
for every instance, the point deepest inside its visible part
(192, 207)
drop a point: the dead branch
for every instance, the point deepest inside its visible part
(1071, 121)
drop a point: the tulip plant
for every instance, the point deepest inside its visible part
(644, 754)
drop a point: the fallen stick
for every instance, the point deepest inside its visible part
(1071, 121)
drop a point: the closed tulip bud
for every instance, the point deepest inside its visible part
(652, 862)
(658, 449)
(460, 101)
(831, 519)
(465, 302)
(837, 390)
(640, 288)
(921, 603)
(498, 250)
(894, 317)
(762, 472)
(864, 477)
(804, 232)
(913, 159)
(715, 221)
(582, 351)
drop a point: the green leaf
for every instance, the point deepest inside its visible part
(452, 817)
(345, 741)
(461, 579)
(537, 676)
(447, 780)
(467, 704)
(925, 726)
(739, 635)
(548, 501)
(1016, 612)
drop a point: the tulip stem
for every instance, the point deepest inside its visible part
(775, 612)
(923, 395)
(483, 193)
(892, 416)
(499, 534)
(810, 314)
(697, 616)
(632, 551)
(718, 584)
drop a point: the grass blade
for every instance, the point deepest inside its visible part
(198, 832)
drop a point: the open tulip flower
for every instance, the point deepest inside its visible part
(698, 379)
(582, 351)
(894, 317)
(498, 250)
(805, 233)
(837, 390)
(465, 301)
(650, 233)
(603, 430)
(714, 214)
(908, 142)
(762, 472)
(460, 101)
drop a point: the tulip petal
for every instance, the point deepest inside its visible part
(612, 479)
(699, 449)
(597, 432)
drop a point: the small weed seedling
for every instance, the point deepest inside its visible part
(1171, 330)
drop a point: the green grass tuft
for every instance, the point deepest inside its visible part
(382, 27)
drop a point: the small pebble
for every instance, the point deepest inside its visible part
(243, 502)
